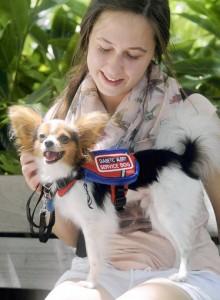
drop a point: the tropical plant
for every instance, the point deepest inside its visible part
(37, 42)
(196, 45)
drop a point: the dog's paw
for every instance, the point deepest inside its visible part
(178, 277)
(87, 284)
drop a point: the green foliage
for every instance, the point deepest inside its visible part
(196, 46)
(9, 163)
(37, 42)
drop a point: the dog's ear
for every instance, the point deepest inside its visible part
(90, 128)
(24, 123)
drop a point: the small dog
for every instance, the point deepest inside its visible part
(185, 150)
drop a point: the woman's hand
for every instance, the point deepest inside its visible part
(29, 170)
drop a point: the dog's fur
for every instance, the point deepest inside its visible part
(186, 149)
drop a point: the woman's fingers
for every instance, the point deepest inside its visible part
(29, 170)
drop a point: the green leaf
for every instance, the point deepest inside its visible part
(68, 55)
(44, 5)
(9, 46)
(9, 163)
(204, 23)
(199, 66)
(32, 74)
(62, 25)
(63, 28)
(40, 95)
(205, 8)
(59, 42)
(13, 35)
(78, 7)
(3, 84)
(40, 36)
(59, 84)
(16, 11)
(197, 6)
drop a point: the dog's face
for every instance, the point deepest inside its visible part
(55, 142)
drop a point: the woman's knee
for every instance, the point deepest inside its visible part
(155, 291)
(70, 290)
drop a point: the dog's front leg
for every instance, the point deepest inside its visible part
(98, 231)
(95, 257)
(95, 240)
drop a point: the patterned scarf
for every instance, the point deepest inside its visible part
(136, 119)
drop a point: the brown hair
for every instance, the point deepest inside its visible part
(157, 12)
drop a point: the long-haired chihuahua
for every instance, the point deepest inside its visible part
(186, 149)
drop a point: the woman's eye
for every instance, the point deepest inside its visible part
(132, 56)
(64, 139)
(104, 50)
(42, 137)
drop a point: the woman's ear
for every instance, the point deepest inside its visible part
(24, 123)
(90, 128)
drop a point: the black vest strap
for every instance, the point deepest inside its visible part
(81, 246)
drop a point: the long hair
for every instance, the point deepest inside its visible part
(156, 12)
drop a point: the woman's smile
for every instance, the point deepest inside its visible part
(111, 81)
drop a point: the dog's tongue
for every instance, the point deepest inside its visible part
(50, 155)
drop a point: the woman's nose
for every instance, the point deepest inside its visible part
(115, 66)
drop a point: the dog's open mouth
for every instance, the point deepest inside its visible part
(52, 156)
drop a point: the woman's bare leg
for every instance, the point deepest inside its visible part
(70, 290)
(155, 291)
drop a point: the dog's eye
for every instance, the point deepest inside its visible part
(42, 137)
(64, 139)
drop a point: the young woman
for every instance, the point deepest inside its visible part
(121, 48)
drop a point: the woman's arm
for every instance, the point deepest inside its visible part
(212, 185)
(65, 230)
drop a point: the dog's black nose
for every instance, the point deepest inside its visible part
(49, 144)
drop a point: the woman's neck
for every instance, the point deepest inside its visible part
(111, 102)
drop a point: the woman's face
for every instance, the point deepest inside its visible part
(121, 47)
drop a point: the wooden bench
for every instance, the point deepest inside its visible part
(24, 261)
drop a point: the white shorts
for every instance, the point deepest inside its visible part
(200, 285)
